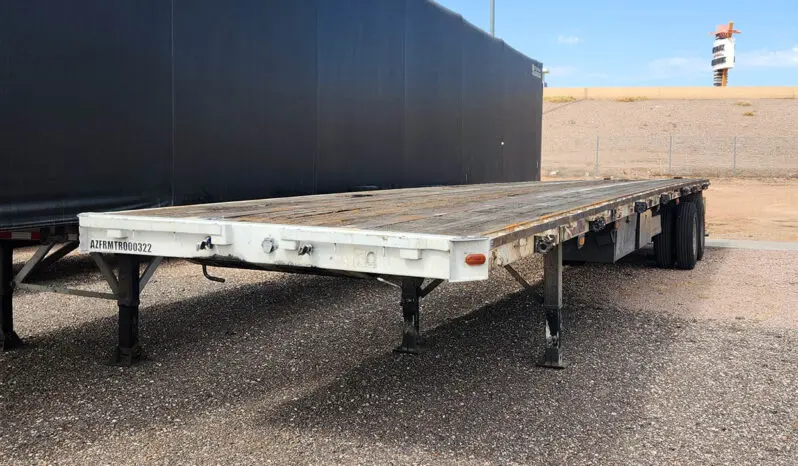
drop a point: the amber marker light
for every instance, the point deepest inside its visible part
(475, 259)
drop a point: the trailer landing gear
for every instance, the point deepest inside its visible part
(412, 292)
(8, 337)
(552, 304)
(411, 300)
(128, 351)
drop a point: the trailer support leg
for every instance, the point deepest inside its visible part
(8, 337)
(128, 351)
(552, 304)
(411, 299)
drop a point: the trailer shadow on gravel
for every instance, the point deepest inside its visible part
(478, 392)
(475, 391)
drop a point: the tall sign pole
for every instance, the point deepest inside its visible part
(492, 17)
(723, 53)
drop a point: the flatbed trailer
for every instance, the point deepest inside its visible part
(413, 239)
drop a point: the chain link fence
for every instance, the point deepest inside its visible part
(671, 155)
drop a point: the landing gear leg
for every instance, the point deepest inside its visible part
(411, 300)
(8, 337)
(552, 304)
(128, 351)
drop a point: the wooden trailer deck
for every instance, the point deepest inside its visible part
(485, 210)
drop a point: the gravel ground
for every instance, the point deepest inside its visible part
(667, 367)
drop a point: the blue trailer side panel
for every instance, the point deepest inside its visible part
(111, 105)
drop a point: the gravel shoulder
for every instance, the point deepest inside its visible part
(667, 367)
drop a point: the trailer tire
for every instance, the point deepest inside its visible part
(702, 222)
(663, 242)
(687, 235)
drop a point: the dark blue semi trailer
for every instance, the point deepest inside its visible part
(111, 105)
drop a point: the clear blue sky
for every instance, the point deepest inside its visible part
(642, 43)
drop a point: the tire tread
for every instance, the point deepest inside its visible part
(686, 218)
(663, 242)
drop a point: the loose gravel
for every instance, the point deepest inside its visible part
(666, 367)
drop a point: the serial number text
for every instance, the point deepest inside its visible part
(125, 246)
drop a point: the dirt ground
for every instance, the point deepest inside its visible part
(763, 209)
(639, 138)
(759, 209)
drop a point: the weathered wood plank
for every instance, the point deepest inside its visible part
(484, 210)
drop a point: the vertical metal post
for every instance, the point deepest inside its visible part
(597, 156)
(8, 337)
(670, 156)
(552, 304)
(686, 163)
(411, 303)
(128, 351)
(493, 18)
(734, 157)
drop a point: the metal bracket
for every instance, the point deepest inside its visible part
(517, 276)
(149, 271)
(525, 284)
(306, 248)
(69, 291)
(544, 244)
(387, 282)
(205, 244)
(107, 272)
(428, 289)
(33, 263)
(269, 245)
(41, 259)
(598, 224)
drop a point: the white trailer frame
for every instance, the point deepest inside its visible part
(268, 245)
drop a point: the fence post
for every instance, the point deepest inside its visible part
(597, 155)
(734, 157)
(670, 156)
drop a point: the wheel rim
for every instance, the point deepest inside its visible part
(695, 240)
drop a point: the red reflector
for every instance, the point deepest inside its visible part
(475, 259)
(20, 235)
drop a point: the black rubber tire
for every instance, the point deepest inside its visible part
(702, 225)
(663, 242)
(687, 235)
